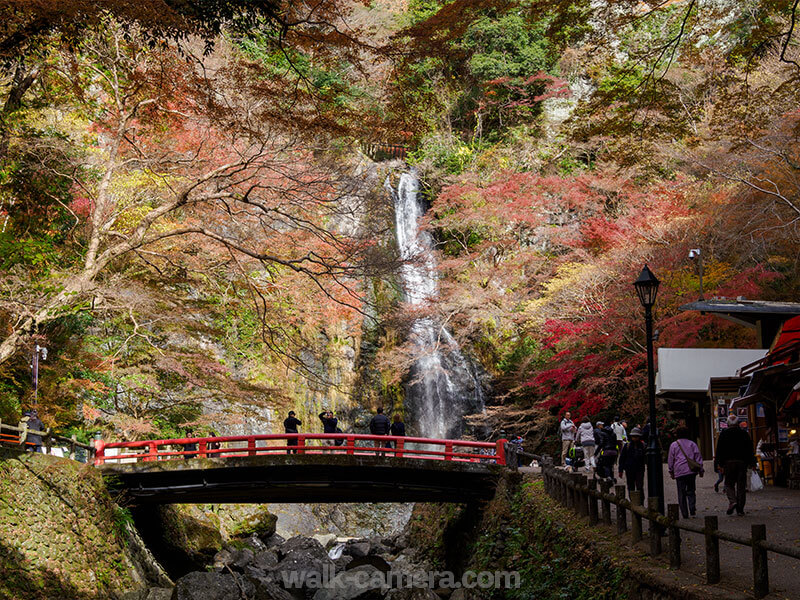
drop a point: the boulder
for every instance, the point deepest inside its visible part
(159, 594)
(361, 583)
(269, 590)
(342, 562)
(273, 541)
(372, 560)
(300, 542)
(241, 558)
(357, 548)
(411, 594)
(212, 586)
(266, 560)
(325, 539)
(468, 594)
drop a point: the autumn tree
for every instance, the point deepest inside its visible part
(181, 148)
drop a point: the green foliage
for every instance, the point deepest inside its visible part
(122, 519)
(526, 537)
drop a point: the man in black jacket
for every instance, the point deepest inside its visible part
(329, 425)
(380, 425)
(632, 461)
(734, 454)
(290, 424)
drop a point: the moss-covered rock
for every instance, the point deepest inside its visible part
(261, 523)
(60, 533)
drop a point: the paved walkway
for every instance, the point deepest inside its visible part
(777, 508)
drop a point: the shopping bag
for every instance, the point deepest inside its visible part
(754, 483)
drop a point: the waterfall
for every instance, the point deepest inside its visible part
(442, 386)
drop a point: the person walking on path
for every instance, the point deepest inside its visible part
(632, 461)
(568, 430)
(606, 451)
(618, 427)
(33, 442)
(380, 425)
(329, 425)
(685, 463)
(585, 439)
(734, 455)
(290, 424)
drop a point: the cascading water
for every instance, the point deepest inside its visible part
(442, 385)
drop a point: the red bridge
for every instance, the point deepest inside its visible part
(302, 468)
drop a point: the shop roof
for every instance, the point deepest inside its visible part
(690, 369)
(767, 317)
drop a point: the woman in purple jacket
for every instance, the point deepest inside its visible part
(681, 452)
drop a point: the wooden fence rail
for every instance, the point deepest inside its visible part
(17, 436)
(573, 491)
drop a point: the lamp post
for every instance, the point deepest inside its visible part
(38, 352)
(647, 288)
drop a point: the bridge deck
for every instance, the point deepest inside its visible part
(303, 478)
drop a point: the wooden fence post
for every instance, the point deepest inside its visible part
(583, 481)
(637, 497)
(655, 528)
(605, 487)
(760, 566)
(23, 435)
(74, 441)
(622, 519)
(592, 502)
(48, 437)
(674, 537)
(712, 550)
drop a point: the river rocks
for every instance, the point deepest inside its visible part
(213, 586)
(357, 548)
(326, 539)
(411, 594)
(361, 583)
(159, 594)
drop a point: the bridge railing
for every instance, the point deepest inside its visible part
(11, 435)
(301, 443)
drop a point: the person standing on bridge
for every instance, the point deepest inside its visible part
(33, 442)
(568, 431)
(380, 425)
(290, 424)
(398, 428)
(329, 425)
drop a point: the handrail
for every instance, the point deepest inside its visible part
(575, 491)
(297, 443)
(48, 437)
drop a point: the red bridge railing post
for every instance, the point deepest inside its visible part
(202, 447)
(99, 452)
(301, 444)
(251, 446)
(448, 451)
(500, 453)
(400, 444)
(351, 444)
(152, 452)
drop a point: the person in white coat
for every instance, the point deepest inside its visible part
(567, 436)
(585, 438)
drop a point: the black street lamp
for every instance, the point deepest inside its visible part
(647, 288)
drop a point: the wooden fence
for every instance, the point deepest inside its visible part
(379, 151)
(581, 494)
(11, 435)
